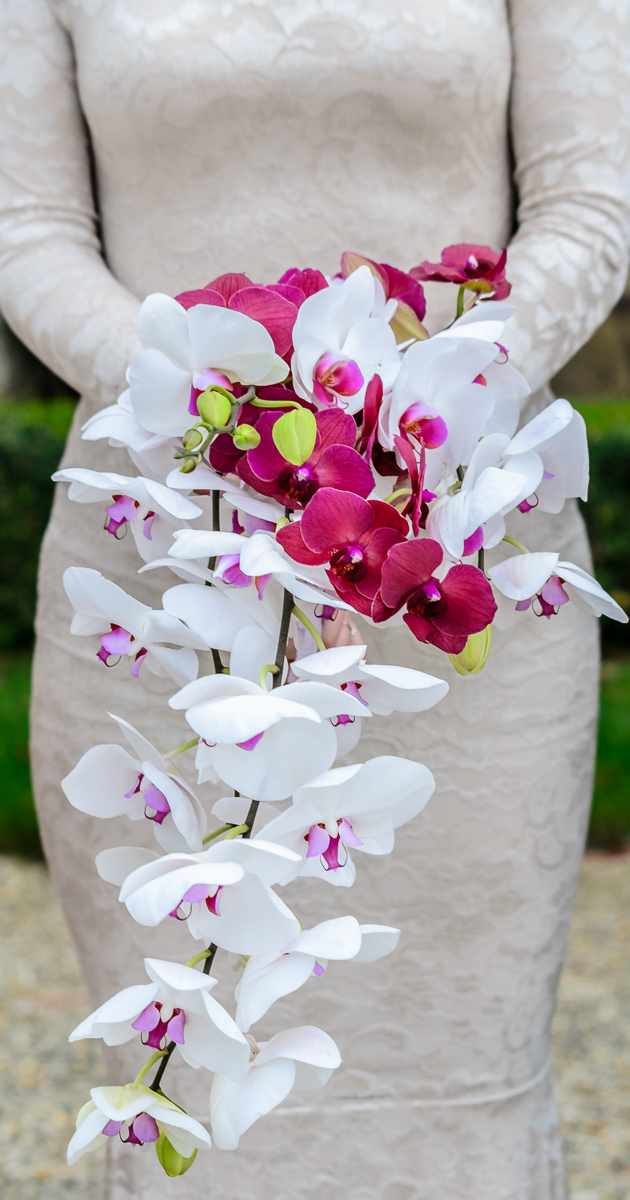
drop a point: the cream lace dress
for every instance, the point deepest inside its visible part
(255, 135)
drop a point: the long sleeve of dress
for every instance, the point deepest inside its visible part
(55, 289)
(570, 116)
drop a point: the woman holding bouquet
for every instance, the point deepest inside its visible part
(258, 136)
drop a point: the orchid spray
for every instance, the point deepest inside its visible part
(304, 447)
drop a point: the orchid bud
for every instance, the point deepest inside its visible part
(214, 408)
(170, 1159)
(472, 658)
(190, 464)
(191, 439)
(245, 437)
(295, 434)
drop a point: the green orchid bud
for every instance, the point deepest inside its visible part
(214, 407)
(295, 434)
(170, 1159)
(245, 437)
(192, 438)
(190, 464)
(472, 658)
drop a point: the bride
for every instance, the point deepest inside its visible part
(256, 135)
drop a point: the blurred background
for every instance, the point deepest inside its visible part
(35, 413)
(45, 1081)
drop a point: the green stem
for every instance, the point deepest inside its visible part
(275, 403)
(519, 545)
(302, 617)
(180, 749)
(235, 832)
(217, 833)
(460, 302)
(396, 495)
(460, 474)
(285, 621)
(147, 1067)
(269, 668)
(197, 958)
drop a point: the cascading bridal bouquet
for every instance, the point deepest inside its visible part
(304, 447)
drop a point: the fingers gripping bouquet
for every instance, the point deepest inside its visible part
(304, 448)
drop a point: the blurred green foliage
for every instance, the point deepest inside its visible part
(32, 436)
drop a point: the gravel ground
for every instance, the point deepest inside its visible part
(45, 1081)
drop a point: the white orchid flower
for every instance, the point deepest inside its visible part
(439, 374)
(356, 807)
(151, 510)
(267, 977)
(382, 689)
(130, 628)
(256, 558)
(174, 1007)
(223, 893)
(299, 1059)
(541, 577)
(558, 437)
(187, 350)
(109, 782)
(152, 453)
(339, 345)
(136, 1115)
(265, 743)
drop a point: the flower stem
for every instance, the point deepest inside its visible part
(297, 612)
(460, 302)
(197, 958)
(250, 818)
(180, 749)
(481, 558)
(513, 542)
(218, 832)
(396, 495)
(147, 1067)
(234, 832)
(265, 671)
(210, 953)
(285, 621)
(275, 403)
(216, 523)
(165, 1055)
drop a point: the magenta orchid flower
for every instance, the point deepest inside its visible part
(442, 612)
(477, 267)
(353, 535)
(334, 462)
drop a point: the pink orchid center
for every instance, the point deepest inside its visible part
(425, 425)
(142, 1129)
(472, 263)
(322, 844)
(114, 644)
(151, 1021)
(352, 689)
(348, 563)
(156, 801)
(230, 571)
(120, 512)
(427, 600)
(339, 375)
(298, 483)
(199, 893)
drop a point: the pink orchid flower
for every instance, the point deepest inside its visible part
(334, 462)
(442, 612)
(476, 266)
(277, 312)
(353, 535)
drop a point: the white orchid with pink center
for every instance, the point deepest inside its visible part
(109, 782)
(373, 477)
(175, 1006)
(350, 808)
(340, 344)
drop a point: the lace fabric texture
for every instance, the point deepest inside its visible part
(255, 135)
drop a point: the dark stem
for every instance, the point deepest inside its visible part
(251, 817)
(216, 523)
(207, 966)
(285, 621)
(155, 1086)
(460, 474)
(481, 560)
